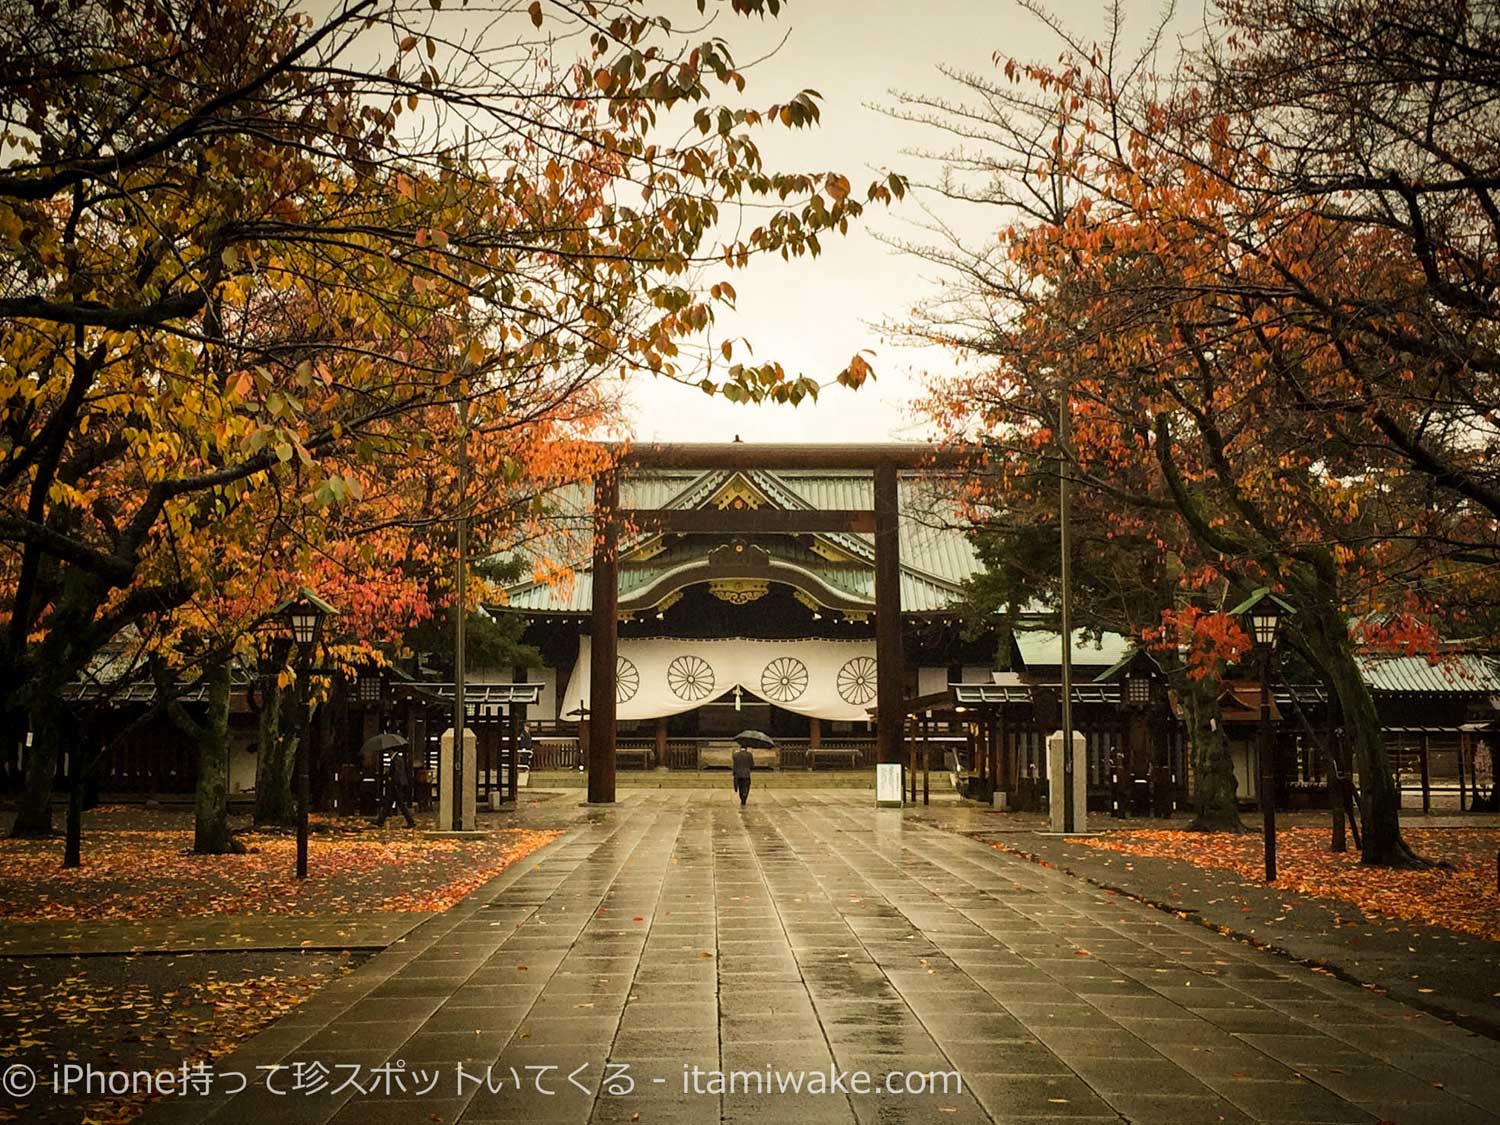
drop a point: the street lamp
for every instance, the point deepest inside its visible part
(304, 613)
(1261, 613)
(1265, 619)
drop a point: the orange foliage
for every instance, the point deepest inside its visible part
(140, 873)
(1460, 897)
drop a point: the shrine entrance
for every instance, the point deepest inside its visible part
(881, 520)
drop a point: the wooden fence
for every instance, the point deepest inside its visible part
(550, 752)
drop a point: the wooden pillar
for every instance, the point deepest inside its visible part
(927, 761)
(1007, 761)
(911, 757)
(661, 742)
(994, 724)
(602, 644)
(1426, 780)
(814, 732)
(517, 713)
(889, 660)
(1463, 747)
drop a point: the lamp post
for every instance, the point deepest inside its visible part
(1065, 549)
(460, 609)
(1261, 613)
(304, 614)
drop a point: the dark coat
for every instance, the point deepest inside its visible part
(399, 771)
(744, 763)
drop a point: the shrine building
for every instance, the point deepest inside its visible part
(746, 595)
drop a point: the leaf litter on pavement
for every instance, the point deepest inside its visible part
(139, 865)
(141, 1013)
(1459, 894)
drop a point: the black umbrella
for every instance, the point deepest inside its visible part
(755, 738)
(381, 743)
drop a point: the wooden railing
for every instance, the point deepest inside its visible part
(549, 753)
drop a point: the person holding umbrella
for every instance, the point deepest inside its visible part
(744, 761)
(397, 796)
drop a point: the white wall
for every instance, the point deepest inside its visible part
(546, 708)
(1246, 757)
(241, 761)
(932, 680)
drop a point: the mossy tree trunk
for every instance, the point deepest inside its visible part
(34, 806)
(211, 834)
(74, 635)
(1326, 634)
(1215, 789)
(275, 754)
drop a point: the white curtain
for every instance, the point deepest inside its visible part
(665, 676)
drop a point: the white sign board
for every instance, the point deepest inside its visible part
(888, 784)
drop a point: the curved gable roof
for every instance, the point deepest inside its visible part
(936, 557)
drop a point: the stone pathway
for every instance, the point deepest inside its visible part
(812, 931)
(1449, 974)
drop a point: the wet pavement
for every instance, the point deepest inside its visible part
(1450, 974)
(813, 936)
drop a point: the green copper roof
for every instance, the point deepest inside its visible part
(1454, 674)
(936, 557)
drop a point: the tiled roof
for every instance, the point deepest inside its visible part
(936, 557)
(1026, 693)
(1454, 674)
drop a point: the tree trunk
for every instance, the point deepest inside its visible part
(1003, 635)
(70, 643)
(275, 754)
(34, 808)
(1327, 636)
(1215, 790)
(211, 801)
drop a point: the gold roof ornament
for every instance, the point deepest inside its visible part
(739, 494)
(738, 591)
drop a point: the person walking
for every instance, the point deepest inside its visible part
(397, 789)
(744, 763)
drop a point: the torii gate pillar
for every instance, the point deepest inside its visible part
(890, 715)
(603, 641)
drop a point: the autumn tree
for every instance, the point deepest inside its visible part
(251, 251)
(1157, 273)
(1132, 574)
(1132, 566)
(1380, 118)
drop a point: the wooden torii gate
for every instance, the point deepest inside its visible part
(884, 461)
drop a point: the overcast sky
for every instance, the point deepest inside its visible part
(813, 315)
